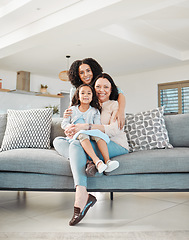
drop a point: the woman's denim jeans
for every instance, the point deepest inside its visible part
(78, 157)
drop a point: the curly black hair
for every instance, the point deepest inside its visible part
(94, 103)
(114, 90)
(73, 72)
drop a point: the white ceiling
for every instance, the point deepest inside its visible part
(125, 36)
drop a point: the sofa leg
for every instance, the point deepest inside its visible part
(111, 196)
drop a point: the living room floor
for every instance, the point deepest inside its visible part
(51, 212)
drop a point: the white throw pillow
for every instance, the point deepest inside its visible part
(27, 129)
(147, 130)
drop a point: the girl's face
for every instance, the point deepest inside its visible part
(103, 89)
(85, 73)
(85, 95)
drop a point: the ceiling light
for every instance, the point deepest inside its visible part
(63, 75)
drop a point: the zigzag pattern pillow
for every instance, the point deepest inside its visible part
(27, 129)
(147, 130)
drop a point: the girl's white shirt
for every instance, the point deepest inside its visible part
(92, 115)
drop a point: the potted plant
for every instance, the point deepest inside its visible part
(43, 88)
(55, 109)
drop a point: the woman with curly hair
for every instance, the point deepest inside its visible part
(85, 71)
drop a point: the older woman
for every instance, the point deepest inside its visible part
(107, 94)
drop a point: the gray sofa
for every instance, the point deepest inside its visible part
(148, 170)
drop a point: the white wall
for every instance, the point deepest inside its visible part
(141, 90)
(55, 85)
(24, 101)
(8, 79)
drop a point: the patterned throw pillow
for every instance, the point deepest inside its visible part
(27, 129)
(146, 130)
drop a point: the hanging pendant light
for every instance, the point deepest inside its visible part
(63, 75)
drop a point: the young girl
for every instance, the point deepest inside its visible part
(86, 109)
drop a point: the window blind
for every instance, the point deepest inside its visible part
(169, 99)
(185, 99)
(174, 97)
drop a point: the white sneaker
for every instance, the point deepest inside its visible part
(112, 165)
(101, 167)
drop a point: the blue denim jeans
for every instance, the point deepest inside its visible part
(78, 157)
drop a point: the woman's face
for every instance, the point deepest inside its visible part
(85, 73)
(103, 89)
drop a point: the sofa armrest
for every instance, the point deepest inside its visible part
(56, 129)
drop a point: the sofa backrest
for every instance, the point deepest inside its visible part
(178, 129)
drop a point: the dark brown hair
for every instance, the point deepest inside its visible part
(94, 103)
(114, 92)
(73, 72)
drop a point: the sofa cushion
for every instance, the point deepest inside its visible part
(178, 129)
(33, 160)
(146, 130)
(27, 129)
(48, 161)
(153, 161)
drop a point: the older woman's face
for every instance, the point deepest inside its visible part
(85, 73)
(103, 89)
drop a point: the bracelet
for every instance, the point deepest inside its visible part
(90, 125)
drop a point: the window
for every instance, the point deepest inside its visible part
(174, 96)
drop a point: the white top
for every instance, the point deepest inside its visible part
(109, 109)
(72, 91)
(92, 115)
